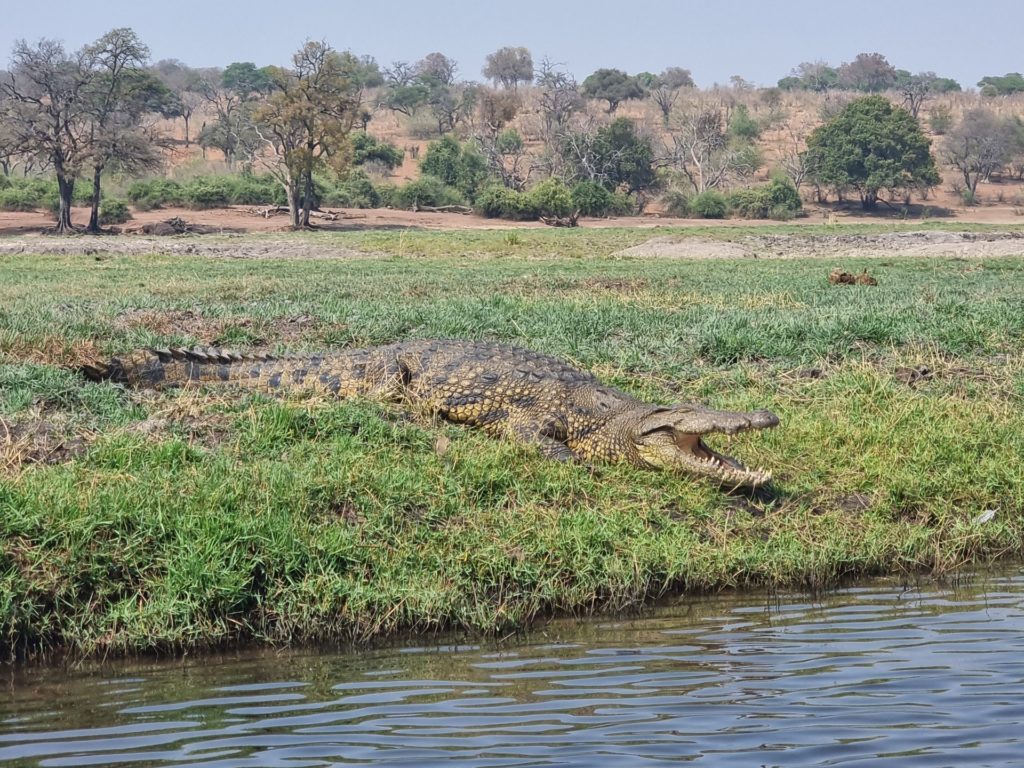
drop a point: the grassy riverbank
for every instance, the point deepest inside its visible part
(133, 521)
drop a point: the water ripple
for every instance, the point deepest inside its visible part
(871, 675)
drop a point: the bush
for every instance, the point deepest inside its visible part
(709, 205)
(208, 192)
(18, 199)
(114, 212)
(592, 199)
(778, 198)
(742, 125)
(249, 189)
(154, 193)
(940, 119)
(676, 203)
(457, 165)
(498, 202)
(21, 194)
(368, 149)
(426, 190)
(551, 198)
(355, 191)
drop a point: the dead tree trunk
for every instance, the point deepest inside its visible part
(94, 213)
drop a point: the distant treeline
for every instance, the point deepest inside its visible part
(530, 144)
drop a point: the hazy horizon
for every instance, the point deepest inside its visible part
(750, 39)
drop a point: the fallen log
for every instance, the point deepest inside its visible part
(464, 209)
(562, 221)
(273, 210)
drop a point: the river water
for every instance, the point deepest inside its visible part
(877, 674)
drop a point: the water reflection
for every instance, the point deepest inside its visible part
(868, 675)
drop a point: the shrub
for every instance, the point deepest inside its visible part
(742, 125)
(355, 191)
(387, 192)
(426, 190)
(498, 202)
(368, 149)
(458, 165)
(709, 205)
(154, 193)
(940, 119)
(208, 192)
(114, 212)
(777, 198)
(676, 203)
(592, 199)
(18, 199)
(249, 189)
(551, 198)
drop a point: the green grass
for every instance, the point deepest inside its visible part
(195, 519)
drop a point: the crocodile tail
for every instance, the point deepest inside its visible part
(173, 367)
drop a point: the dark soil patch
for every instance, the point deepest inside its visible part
(37, 440)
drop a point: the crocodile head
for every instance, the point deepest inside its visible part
(673, 438)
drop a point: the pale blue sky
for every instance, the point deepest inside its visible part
(760, 40)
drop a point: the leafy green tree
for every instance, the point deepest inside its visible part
(614, 156)
(450, 105)
(1011, 82)
(613, 86)
(233, 94)
(405, 98)
(246, 79)
(815, 76)
(870, 146)
(368, 149)
(456, 165)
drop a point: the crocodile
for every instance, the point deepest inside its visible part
(506, 390)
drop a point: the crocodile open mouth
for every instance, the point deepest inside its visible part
(675, 441)
(699, 457)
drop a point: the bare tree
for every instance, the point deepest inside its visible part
(558, 98)
(438, 67)
(183, 82)
(701, 148)
(46, 112)
(507, 157)
(232, 93)
(792, 157)
(400, 73)
(118, 97)
(869, 72)
(980, 145)
(665, 89)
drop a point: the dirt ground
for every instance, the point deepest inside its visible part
(240, 219)
(230, 241)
